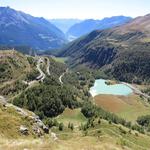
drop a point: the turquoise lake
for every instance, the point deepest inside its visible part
(100, 87)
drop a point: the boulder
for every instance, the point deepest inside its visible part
(37, 130)
(40, 123)
(53, 136)
(23, 130)
(46, 129)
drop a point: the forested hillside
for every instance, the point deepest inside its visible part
(122, 51)
(60, 97)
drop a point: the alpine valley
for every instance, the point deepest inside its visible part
(123, 52)
(89, 94)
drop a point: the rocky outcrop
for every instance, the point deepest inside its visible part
(3, 100)
(24, 130)
(38, 127)
(39, 123)
(53, 136)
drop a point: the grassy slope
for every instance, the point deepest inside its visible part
(10, 122)
(60, 59)
(109, 137)
(102, 137)
(73, 116)
(76, 143)
(10, 138)
(128, 107)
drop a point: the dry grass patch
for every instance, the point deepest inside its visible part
(10, 122)
(128, 107)
(78, 143)
(111, 103)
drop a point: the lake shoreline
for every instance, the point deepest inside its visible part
(101, 87)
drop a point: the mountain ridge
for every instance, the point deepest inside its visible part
(118, 50)
(19, 28)
(89, 25)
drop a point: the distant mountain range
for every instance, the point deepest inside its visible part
(18, 28)
(64, 24)
(123, 51)
(86, 26)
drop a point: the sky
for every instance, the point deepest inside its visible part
(81, 9)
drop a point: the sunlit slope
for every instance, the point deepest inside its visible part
(124, 51)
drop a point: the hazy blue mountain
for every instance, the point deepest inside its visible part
(18, 28)
(89, 25)
(64, 24)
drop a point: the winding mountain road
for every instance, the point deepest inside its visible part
(61, 76)
(136, 90)
(42, 75)
(48, 67)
